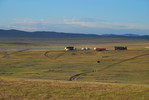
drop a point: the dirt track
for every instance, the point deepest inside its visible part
(124, 61)
(77, 75)
(47, 55)
(7, 55)
(74, 77)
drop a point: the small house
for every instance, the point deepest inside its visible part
(120, 47)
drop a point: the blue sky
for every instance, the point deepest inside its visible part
(76, 16)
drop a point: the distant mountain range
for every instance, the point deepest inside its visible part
(45, 34)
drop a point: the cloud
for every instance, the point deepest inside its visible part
(80, 25)
(95, 23)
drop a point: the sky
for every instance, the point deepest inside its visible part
(76, 16)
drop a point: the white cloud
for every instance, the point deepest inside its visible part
(104, 24)
(82, 25)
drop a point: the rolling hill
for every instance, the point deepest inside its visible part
(49, 34)
(41, 34)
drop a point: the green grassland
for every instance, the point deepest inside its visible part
(39, 69)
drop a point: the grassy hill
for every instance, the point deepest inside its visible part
(39, 69)
(63, 90)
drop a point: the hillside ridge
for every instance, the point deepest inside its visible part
(51, 34)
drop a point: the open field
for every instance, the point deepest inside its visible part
(30, 67)
(64, 90)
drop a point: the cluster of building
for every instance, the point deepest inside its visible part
(71, 48)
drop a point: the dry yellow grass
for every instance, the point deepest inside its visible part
(14, 89)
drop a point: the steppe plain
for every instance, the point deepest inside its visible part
(40, 69)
